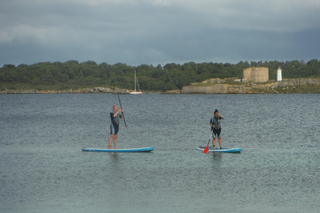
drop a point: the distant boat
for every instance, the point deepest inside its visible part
(135, 86)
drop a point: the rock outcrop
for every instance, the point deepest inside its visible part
(177, 91)
(285, 86)
(83, 90)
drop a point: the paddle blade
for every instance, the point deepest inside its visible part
(206, 150)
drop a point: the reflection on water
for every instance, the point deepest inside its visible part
(114, 156)
(217, 156)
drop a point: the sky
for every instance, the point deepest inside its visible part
(155, 32)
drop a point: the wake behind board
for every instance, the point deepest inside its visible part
(144, 149)
(226, 150)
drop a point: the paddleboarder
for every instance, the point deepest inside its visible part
(114, 126)
(216, 128)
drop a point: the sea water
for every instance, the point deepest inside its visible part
(42, 167)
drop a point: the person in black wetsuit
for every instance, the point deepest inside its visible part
(216, 128)
(114, 126)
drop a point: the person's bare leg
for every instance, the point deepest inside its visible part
(115, 141)
(220, 143)
(214, 143)
(110, 140)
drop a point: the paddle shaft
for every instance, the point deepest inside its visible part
(209, 141)
(206, 150)
(122, 112)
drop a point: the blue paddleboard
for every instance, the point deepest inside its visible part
(226, 150)
(144, 149)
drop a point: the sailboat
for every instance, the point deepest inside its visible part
(135, 86)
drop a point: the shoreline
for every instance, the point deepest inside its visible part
(67, 91)
(230, 86)
(210, 86)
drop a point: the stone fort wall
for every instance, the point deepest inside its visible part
(256, 74)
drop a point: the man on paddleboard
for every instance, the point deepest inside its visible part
(114, 126)
(216, 128)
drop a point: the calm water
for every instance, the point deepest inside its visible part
(42, 167)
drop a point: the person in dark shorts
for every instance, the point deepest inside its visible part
(216, 128)
(114, 126)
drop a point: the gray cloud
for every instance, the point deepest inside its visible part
(159, 31)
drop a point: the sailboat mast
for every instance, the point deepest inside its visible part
(135, 79)
(136, 83)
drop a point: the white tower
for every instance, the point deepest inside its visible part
(279, 74)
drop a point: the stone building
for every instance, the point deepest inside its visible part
(256, 74)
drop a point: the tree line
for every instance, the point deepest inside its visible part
(72, 74)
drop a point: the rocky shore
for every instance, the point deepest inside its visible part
(235, 86)
(209, 86)
(295, 85)
(83, 90)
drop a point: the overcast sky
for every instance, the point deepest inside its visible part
(156, 32)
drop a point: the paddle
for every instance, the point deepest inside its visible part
(122, 112)
(206, 150)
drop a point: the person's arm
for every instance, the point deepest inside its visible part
(211, 123)
(221, 116)
(117, 112)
